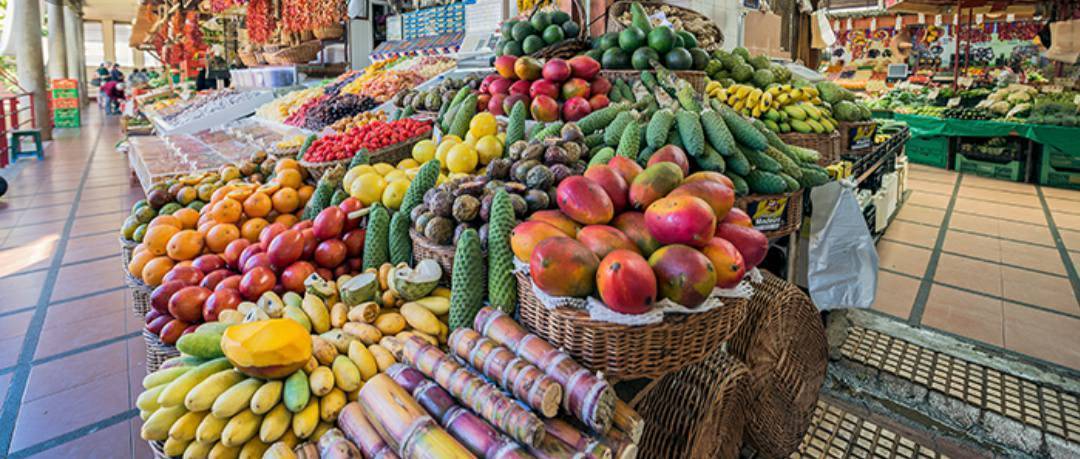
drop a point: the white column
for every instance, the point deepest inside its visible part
(29, 62)
(73, 45)
(84, 80)
(57, 54)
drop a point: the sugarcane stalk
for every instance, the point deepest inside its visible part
(472, 391)
(357, 428)
(620, 444)
(588, 397)
(628, 421)
(306, 450)
(472, 431)
(576, 439)
(405, 425)
(527, 382)
(334, 445)
(553, 448)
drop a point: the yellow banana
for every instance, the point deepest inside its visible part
(175, 447)
(161, 377)
(196, 450)
(331, 405)
(174, 392)
(236, 398)
(157, 427)
(202, 396)
(743, 92)
(275, 423)
(253, 449)
(240, 429)
(364, 360)
(266, 397)
(739, 105)
(438, 305)
(304, 422)
(796, 94)
(209, 430)
(184, 428)
(220, 451)
(148, 400)
(756, 112)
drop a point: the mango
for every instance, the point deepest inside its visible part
(653, 183)
(269, 349)
(683, 274)
(561, 266)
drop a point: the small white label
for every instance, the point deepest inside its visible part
(849, 27)
(1010, 18)
(979, 18)
(873, 23)
(899, 22)
(937, 19)
(956, 19)
(934, 93)
(953, 102)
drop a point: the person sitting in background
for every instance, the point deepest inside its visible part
(115, 74)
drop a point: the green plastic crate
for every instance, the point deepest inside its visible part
(1061, 160)
(932, 151)
(65, 93)
(1050, 175)
(66, 122)
(65, 113)
(1012, 170)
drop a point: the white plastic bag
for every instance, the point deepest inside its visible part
(842, 264)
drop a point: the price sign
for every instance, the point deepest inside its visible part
(953, 102)
(934, 93)
(767, 215)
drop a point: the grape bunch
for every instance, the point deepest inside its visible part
(336, 108)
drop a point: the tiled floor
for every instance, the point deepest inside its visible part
(1002, 271)
(71, 356)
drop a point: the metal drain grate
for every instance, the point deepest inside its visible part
(1043, 407)
(837, 433)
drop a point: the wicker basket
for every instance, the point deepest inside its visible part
(625, 352)
(299, 54)
(157, 352)
(158, 448)
(316, 170)
(251, 57)
(696, 412)
(830, 145)
(783, 343)
(571, 46)
(127, 249)
(694, 77)
(330, 32)
(792, 213)
(616, 9)
(140, 295)
(845, 127)
(426, 249)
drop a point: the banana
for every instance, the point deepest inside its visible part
(266, 397)
(157, 427)
(796, 94)
(321, 381)
(235, 399)
(766, 101)
(733, 99)
(220, 451)
(174, 392)
(202, 396)
(144, 415)
(756, 112)
(739, 105)
(364, 360)
(743, 92)
(331, 405)
(438, 305)
(240, 429)
(712, 86)
(346, 374)
(783, 99)
(253, 449)
(275, 423)
(148, 400)
(304, 422)
(175, 447)
(786, 88)
(774, 91)
(209, 430)
(161, 377)
(184, 428)
(196, 450)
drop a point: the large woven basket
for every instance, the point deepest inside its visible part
(696, 78)
(625, 352)
(571, 46)
(616, 9)
(426, 249)
(696, 412)
(157, 352)
(140, 295)
(158, 448)
(783, 344)
(830, 145)
(127, 249)
(793, 213)
(330, 32)
(251, 58)
(299, 54)
(316, 170)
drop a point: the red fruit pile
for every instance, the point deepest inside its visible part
(278, 261)
(372, 136)
(557, 89)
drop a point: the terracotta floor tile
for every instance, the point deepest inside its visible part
(998, 185)
(912, 233)
(136, 357)
(53, 199)
(5, 381)
(86, 308)
(1050, 292)
(21, 290)
(28, 257)
(9, 218)
(1033, 215)
(1029, 256)
(1001, 197)
(918, 214)
(903, 258)
(1023, 232)
(972, 206)
(98, 223)
(57, 338)
(895, 294)
(936, 201)
(86, 278)
(1048, 336)
(974, 223)
(966, 314)
(1064, 205)
(112, 441)
(34, 234)
(1067, 221)
(72, 371)
(139, 447)
(9, 350)
(91, 247)
(925, 186)
(973, 245)
(1062, 193)
(1070, 238)
(45, 214)
(71, 409)
(971, 274)
(88, 208)
(15, 324)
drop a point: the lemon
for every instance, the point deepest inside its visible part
(411, 173)
(461, 158)
(489, 148)
(394, 193)
(409, 163)
(346, 182)
(444, 147)
(424, 150)
(394, 176)
(368, 188)
(383, 168)
(450, 138)
(483, 124)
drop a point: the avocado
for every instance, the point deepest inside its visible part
(609, 40)
(595, 54)
(678, 59)
(512, 48)
(688, 39)
(521, 30)
(631, 38)
(560, 17)
(570, 29)
(540, 20)
(507, 30)
(741, 52)
(553, 34)
(615, 59)
(532, 44)
(701, 58)
(642, 57)
(662, 39)
(678, 43)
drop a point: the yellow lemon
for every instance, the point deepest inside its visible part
(394, 176)
(424, 150)
(444, 147)
(442, 179)
(450, 138)
(461, 158)
(352, 174)
(383, 168)
(394, 193)
(489, 148)
(409, 163)
(411, 173)
(368, 188)
(483, 124)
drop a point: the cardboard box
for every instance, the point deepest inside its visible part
(762, 35)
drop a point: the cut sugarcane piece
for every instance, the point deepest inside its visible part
(589, 398)
(570, 435)
(527, 382)
(628, 421)
(358, 429)
(404, 424)
(475, 433)
(621, 444)
(472, 391)
(553, 448)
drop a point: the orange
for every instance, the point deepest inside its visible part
(286, 163)
(286, 200)
(155, 270)
(220, 236)
(250, 229)
(185, 245)
(227, 211)
(258, 205)
(138, 261)
(185, 263)
(139, 249)
(204, 227)
(305, 193)
(170, 220)
(189, 218)
(157, 238)
(287, 219)
(221, 193)
(290, 178)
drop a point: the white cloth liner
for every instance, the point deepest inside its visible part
(598, 311)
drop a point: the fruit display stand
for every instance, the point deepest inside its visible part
(265, 133)
(152, 161)
(215, 118)
(694, 77)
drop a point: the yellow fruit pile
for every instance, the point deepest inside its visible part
(482, 143)
(383, 183)
(358, 120)
(280, 108)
